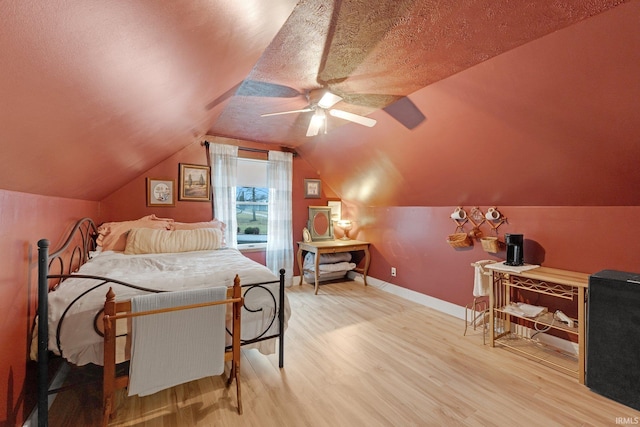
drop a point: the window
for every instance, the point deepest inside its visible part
(252, 203)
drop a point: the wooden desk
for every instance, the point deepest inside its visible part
(332, 247)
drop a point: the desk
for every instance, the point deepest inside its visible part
(332, 247)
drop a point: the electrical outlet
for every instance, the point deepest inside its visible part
(393, 272)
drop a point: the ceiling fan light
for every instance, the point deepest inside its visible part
(317, 121)
(328, 100)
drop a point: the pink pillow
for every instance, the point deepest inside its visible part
(112, 236)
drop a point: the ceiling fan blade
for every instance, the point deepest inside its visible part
(361, 120)
(328, 100)
(317, 121)
(405, 112)
(304, 110)
(266, 89)
(228, 94)
(399, 107)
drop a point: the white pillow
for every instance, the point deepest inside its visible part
(156, 241)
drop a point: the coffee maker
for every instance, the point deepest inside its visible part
(514, 244)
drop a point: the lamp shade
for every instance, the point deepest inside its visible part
(346, 225)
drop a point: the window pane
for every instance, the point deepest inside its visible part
(252, 211)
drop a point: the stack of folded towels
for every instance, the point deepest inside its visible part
(331, 266)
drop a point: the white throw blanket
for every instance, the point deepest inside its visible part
(177, 347)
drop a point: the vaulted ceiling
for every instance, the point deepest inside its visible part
(476, 101)
(374, 56)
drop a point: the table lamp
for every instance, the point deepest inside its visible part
(346, 225)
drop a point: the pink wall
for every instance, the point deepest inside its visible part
(129, 202)
(413, 239)
(25, 219)
(554, 122)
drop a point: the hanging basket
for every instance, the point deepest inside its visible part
(490, 244)
(459, 240)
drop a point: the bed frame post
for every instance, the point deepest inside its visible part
(281, 319)
(43, 333)
(109, 358)
(236, 337)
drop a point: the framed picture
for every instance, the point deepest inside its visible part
(161, 192)
(312, 188)
(319, 225)
(306, 236)
(195, 182)
(336, 209)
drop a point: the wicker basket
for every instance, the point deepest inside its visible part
(490, 244)
(459, 240)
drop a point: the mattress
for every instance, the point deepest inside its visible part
(81, 344)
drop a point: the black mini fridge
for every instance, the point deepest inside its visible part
(613, 336)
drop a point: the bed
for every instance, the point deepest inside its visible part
(73, 282)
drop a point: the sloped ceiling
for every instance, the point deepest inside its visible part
(99, 93)
(373, 56)
(95, 93)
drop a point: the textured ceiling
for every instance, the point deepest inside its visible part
(96, 94)
(373, 56)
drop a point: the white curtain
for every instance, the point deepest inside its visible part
(224, 166)
(280, 224)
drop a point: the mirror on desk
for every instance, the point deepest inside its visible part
(319, 224)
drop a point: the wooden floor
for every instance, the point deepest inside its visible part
(358, 356)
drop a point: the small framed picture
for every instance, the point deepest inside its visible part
(336, 209)
(312, 188)
(306, 236)
(160, 192)
(195, 182)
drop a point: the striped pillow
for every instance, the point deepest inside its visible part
(154, 241)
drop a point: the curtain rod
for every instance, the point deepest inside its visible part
(259, 150)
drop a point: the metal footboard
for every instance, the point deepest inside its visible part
(75, 251)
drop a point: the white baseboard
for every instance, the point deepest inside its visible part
(426, 300)
(459, 311)
(408, 294)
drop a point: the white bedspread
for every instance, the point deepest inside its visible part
(171, 272)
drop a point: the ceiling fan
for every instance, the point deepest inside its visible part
(321, 102)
